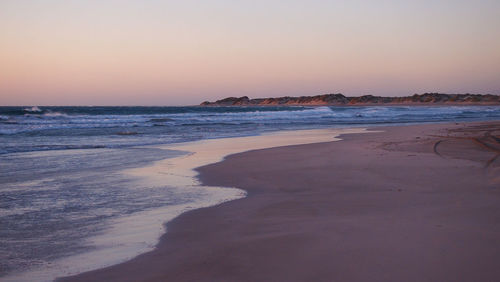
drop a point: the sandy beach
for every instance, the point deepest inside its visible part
(406, 203)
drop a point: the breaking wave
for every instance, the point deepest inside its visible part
(30, 128)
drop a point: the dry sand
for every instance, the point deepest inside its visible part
(414, 203)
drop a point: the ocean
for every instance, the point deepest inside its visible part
(62, 185)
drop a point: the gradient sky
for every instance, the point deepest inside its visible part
(184, 52)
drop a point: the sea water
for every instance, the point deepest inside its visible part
(64, 193)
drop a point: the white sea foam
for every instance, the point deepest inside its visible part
(288, 117)
(54, 114)
(33, 109)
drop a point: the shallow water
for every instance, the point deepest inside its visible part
(52, 200)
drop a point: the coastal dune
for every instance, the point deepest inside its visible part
(366, 100)
(412, 203)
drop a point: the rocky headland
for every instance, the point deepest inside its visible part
(339, 100)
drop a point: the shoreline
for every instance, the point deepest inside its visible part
(139, 233)
(182, 176)
(250, 242)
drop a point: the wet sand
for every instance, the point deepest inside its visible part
(414, 203)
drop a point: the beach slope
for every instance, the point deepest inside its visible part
(412, 203)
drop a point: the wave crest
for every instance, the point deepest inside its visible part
(33, 109)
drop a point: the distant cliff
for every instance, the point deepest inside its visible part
(339, 99)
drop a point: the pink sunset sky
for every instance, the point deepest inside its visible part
(184, 52)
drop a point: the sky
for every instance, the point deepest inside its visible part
(150, 52)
